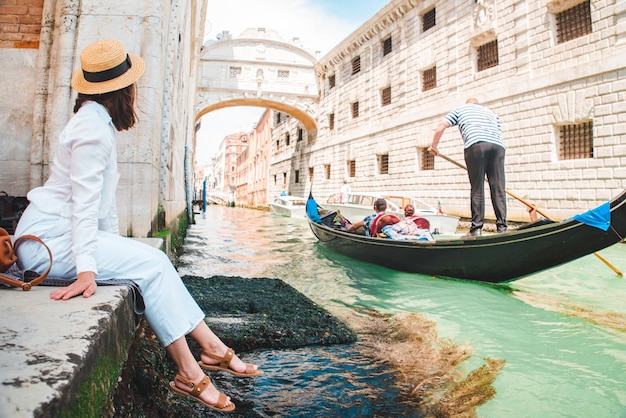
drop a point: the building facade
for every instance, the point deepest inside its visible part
(554, 71)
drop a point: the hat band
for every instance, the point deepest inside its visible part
(109, 74)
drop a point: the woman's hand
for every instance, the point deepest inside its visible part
(85, 284)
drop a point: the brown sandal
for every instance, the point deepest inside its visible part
(196, 391)
(224, 365)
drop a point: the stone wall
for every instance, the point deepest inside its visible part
(152, 157)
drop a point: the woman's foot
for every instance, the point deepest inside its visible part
(203, 392)
(229, 362)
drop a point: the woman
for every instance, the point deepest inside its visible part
(74, 212)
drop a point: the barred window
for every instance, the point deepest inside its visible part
(573, 22)
(387, 46)
(277, 143)
(428, 20)
(576, 141)
(355, 109)
(311, 173)
(287, 138)
(351, 168)
(296, 176)
(487, 55)
(235, 71)
(331, 81)
(385, 96)
(278, 118)
(429, 79)
(428, 160)
(331, 121)
(383, 163)
(356, 65)
(300, 134)
(327, 171)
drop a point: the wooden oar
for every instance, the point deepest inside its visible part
(532, 206)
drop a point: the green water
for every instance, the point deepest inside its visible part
(562, 332)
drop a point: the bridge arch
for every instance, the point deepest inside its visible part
(258, 68)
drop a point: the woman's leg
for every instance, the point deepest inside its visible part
(210, 343)
(189, 369)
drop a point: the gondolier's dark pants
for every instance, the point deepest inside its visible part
(484, 158)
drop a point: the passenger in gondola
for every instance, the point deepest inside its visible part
(411, 227)
(374, 223)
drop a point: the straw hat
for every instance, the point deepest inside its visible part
(106, 67)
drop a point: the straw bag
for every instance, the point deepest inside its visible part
(8, 258)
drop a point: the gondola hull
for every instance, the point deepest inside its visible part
(493, 258)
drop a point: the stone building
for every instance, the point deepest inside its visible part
(554, 71)
(40, 42)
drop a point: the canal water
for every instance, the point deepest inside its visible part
(562, 332)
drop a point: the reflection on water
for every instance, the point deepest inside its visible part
(562, 359)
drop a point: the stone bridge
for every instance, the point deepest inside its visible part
(259, 69)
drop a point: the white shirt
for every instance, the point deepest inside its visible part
(345, 190)
(82, 183)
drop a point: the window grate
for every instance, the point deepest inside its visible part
(428, 160)
(287, 139)
(383, 164)
(356, 65)
(387, 46)
(300, 134)
(428, 20)
(355, 109)
(488, 55)
(385, 96)
(573, 22)
(576, 141)
(297, 176)
(283, 74)
(331, 81)
(327, 171)
(429, 79)
(331, 121)
(352, 168)
(311, 173)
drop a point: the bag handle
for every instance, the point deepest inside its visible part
(28, 285)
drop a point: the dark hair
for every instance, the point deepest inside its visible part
(380, 204)
(119, 103)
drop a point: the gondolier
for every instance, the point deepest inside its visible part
(484, 155)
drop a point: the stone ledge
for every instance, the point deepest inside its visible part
(63, 358)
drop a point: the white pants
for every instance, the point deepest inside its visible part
(170, 310)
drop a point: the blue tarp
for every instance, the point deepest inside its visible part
(311, 210)
(599, 217)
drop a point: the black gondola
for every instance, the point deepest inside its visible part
(493, 258)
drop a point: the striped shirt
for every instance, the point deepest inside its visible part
(476, 123)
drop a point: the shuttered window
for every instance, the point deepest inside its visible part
(387, 46)
(428, 20)
(383, 163)
(429, 79)
(573, 22)
(355, 109)
(385, 96)
(576, 141)
(487, 55)
(356, 65)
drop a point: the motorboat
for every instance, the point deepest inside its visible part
(289, 206)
